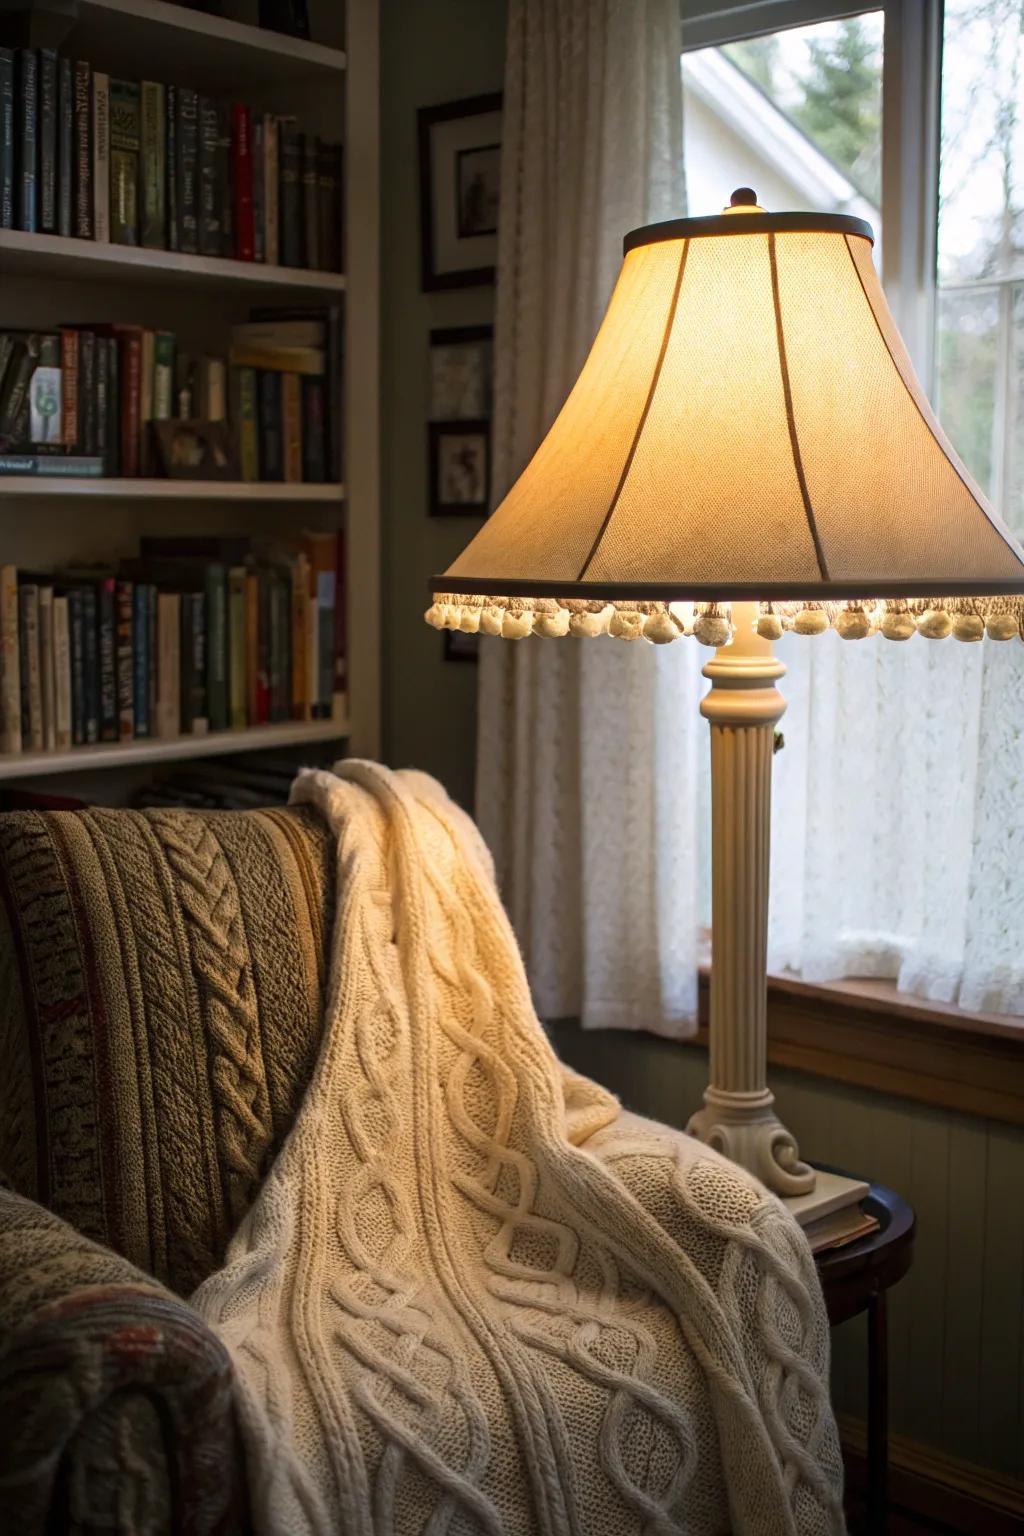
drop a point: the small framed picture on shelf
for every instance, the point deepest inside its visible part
(460, 166)
(195, 450)
(460, 373)
(460, 647)
(459, 466)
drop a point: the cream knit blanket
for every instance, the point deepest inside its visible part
(474, 1296)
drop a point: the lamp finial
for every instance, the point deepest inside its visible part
(743, 197)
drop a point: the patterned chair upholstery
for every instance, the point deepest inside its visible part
(161, 976)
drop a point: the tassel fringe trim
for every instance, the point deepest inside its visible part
(513, 618)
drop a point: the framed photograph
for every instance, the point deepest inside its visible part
(461, 365)
(459, 466)
(460, 647)
(460, 168)
(195, 450)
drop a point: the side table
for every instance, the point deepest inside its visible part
(855, 1279)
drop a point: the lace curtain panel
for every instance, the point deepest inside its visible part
(898, 816)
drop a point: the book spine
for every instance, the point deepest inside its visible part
(244, 415)
(125, 144)
(271, 207)
(163, 375)
(325, 597)
(168, 712)
(263, 666)
(225, 179)
(7, 139)
(87, 392)
(15, 390)
(290, 193)
(91, 662)
(101, 155)
(28, 137)
(76, 644)
(291, 425)
(236, 648)
(334, 379)
(300, 598)
(258, 198)
(54, 465)
(146, 372)
(252, 647)
(61, 675)
(101, 374)
(131, 401)
(69, 386)
(340, 622)
(124, 598)
(140, 659)
(154, 171)
(186, 169)
(170, 165)
(106, 629)
(65, 148)
(31, 685)
(241, 141)
(314, 431)
(113, 466)
(44, 408)
(281, 629)
(48, 141)
(209, 210)
(270, 436)
(216, 647)
(312, 656)
(83, 151)
(47, 676)
(200, 721)
(151, 644)
(310, 201)
(10, 664)
(329, 159)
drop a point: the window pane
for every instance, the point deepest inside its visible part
(796, 115)
(967, 358)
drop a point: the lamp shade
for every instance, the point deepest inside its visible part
(747, 427)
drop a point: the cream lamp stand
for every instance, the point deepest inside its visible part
(746, 360)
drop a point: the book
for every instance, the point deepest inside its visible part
(87, 393)
(101, 390)
(153, 168)
(252, 647)
(291, 426)
(187, 169)
(212, 391)
(243, 418)
(224, 179)
(76, 645)
(241, 167)
(27, 138)
(271, 209)
(113, 405)
(83, 180)
(168, 706)
(289, 181)
(278, 359)
(314, 431)
(170, 166)
(10, 666)
(237, 575)
(145, 399)
(65, 148)
(14, 396)
(141, 661)
(101, 155)
(125, 150)
(7, 139)
(321, 552)
(69, 386)
(47, 677)
(280, 645)
(47, 168)
(106, 644)
(62, 732)
(258, 194)
(129, 338)
(306, 335)
(44, 396)
(124, 654)
(215, 580)
(838, 1228)
(30, 679)
(194, 719)
(271, 442)
(330, 161)
(310, 201)
(163, 376)
(301, 703)
(210, 220)
(329, 317)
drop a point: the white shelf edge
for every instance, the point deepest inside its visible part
(100, 257)
(169, 490)
(24, 765)
(255, 39)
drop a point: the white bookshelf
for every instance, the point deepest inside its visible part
(47, 280)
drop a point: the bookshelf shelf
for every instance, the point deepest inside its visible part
(24, 765)
(139, 489)
(59, 256)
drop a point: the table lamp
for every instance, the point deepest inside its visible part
(746, 451)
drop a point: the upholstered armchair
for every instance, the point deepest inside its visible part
(161, 975)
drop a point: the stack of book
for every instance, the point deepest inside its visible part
(81, 400)
(192, 635)
(142, 163)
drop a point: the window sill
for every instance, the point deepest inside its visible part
(870, 1035)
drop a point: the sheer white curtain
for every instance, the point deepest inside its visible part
(587, 765)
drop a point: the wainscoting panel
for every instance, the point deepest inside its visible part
(957, 1320)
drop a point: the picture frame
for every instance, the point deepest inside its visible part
(461, 369)
(459, 468)
(195, 450)
(460, 165)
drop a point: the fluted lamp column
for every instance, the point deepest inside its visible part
(746, 452)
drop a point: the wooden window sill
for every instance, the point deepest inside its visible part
(868, 1034)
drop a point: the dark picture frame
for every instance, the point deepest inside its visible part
(468, 398)
(458, 192)
(459, 468)
(195, 450)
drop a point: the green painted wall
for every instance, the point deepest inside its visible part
(430, 53)
(956, 1345)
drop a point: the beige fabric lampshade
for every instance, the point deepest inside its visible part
(747, 426)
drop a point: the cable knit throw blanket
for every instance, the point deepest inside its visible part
(474, 1296)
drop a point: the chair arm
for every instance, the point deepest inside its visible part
(115, 1398)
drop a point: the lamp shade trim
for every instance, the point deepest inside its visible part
(737, 222)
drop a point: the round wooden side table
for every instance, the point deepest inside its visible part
(855, 1279)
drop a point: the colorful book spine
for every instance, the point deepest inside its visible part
(194, 719)
(141, 660)
(125, 148)
(65, 148)
(106, 631)
(7, 139)
(83, 181)
(27, 143)
(57, 466)
(61, 675)
(124, 611)
(130, 364)
(10, 665)
(241, 143)
(153, 168)
(101, 155)
(47, 141)
(271, 207)
(69, 386)
(168, 709)
(186, 169)
(243, 417)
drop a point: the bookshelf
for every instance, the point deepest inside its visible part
(46, 280)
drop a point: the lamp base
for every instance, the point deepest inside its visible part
(832, 1192)
(745, 1128)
